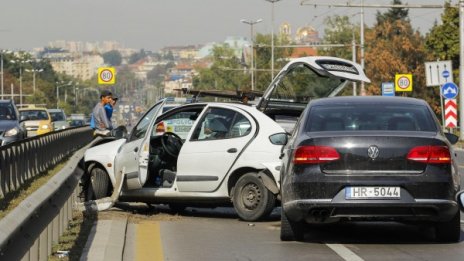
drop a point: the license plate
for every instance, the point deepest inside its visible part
(372, 193)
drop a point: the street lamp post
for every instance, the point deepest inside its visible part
(251, 23)
(1, 67)
(272, 38)
(20, 62)
(33, 76)
(58, 85)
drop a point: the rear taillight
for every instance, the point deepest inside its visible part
(315, 155)
(430, 154)
(160, 128)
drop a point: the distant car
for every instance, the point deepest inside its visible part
(370, 159)
(58, 119)
(11, 126)
(77, 123)
(37, 120)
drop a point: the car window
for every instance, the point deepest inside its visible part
(141, 128)
(179, 123)
(7, 112)
(370, 117)
(35, 114)
(57, 116)
(219, 123)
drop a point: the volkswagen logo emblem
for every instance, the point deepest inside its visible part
(373, 152)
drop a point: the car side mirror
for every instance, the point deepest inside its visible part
(119, 132)
(23, 118)
(460, 199)
(453, 139)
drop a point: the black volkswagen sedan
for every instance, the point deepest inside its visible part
(372, 159)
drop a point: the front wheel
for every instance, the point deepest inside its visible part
(252, 200)
(99, 184)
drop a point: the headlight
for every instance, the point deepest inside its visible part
(11, 132)
(45, 127)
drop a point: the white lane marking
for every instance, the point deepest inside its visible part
(344, 252)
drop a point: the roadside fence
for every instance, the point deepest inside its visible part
(21, 161)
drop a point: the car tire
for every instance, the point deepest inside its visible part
(252, 200)
(99, 184)
(290, 230)
(449, 232)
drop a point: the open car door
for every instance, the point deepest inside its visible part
(304, 79)
(132, 159)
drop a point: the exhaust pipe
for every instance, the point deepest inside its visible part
(103, 203)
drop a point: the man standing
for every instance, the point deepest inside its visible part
(102, 123)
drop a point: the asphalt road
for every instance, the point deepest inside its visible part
(217, 234)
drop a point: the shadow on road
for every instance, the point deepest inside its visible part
(218, 212)
(371, 233)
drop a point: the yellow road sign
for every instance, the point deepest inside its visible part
(403, 82)
(106, 75)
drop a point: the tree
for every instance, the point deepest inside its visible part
(112, 58)
(442, 41)
(225, 72)
(339, 30)
(393, 14)
(395, 48)
(135, 57)
(263, 58)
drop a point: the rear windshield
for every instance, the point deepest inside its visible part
(370, 117)
(57, 116)
(7, 112)
(35, 114)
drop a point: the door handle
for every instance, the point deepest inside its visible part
(232, 150)
(136, 149)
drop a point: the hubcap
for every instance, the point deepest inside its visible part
(251, 196)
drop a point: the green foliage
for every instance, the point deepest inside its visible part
(442, 41)
(112, 58)
(393, 14)
(225, 73)
(339, 30)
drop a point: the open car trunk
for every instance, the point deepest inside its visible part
(304, 79)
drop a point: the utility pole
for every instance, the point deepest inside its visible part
(252, 67)
(461, 69)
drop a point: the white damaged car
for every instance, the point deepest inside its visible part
(223, 153)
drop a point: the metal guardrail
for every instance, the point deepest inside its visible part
(21, 161)
(28, 231)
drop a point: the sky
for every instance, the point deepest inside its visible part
(154, 24)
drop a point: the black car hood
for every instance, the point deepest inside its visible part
(7, 124)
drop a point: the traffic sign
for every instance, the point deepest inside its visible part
(445, 74)
(106, 75)
(449, 90)
(451, 113)
(388, 89)
(403, 82)
(438, 73)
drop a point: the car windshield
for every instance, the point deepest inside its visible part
(370, 117)
(35, 114)
(57, 116)
(7, 112)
